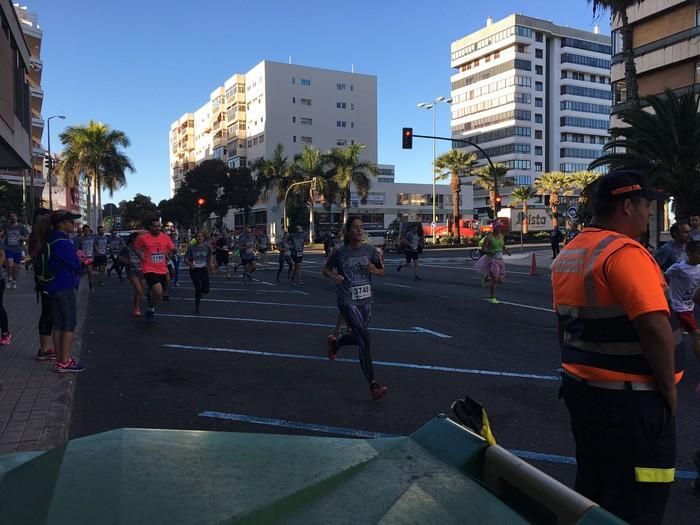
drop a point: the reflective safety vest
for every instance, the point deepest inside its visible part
(600, 343)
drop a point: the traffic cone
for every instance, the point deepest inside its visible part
(533, 265)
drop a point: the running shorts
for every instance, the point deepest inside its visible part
(100, 260)
(16, 256)
(411, 256)
(247, 259)
(155, 278)
(687, 321)
(297, 258)
(221, 257)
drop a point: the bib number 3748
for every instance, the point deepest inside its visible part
(361, 292)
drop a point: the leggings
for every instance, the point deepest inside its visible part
(200, 279)
(287, 260)
(117, 265)
(4, 327)
(357, 316)
(46, 319)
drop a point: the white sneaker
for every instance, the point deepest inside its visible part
(14, 285)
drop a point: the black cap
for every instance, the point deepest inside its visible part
(625, 184)
(62, 215)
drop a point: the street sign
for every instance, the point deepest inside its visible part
(572, 212)
(433, 224)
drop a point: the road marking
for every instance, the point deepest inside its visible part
(412, 330)
(256, 302)
(549, 310)
(351, 432)
(399, 285)
(298, 292)
(394, 364)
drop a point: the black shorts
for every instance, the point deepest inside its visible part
(100, 260)
(248, 259)
(221, 257)
(262, 250)
(411, 256)
(155, 278)
(297, 258)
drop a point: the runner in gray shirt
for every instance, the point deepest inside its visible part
(199, 258)
(351, 267)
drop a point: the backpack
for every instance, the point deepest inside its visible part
(42, 271)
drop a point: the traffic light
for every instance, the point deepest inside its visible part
(201, 201)
(498, 203)
(407, 138)
(48, 162)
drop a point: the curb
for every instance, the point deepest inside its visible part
(58, 421)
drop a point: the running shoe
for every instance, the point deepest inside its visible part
(14, 285)
(378, 390)
(71, 366)
(150, 315)
(8, 285)
(6, 339)
(398, 268)
(49, 355)
(493, 300)
(332, 350)
(137, 312)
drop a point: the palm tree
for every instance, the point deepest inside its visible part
(554, 184)
(665, 143)
(310, 165)
(273, 174)
(453, 164)
(580, 180)
(95, 151)
(492, 178)
(618, 9)
(347, 170)
(521, 195)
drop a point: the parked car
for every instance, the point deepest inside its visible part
(376, 238)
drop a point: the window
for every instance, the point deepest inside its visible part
(518, 131)
(584, 122)
(341, 123)
(517, 164)
(294, 119)
(340, 105)
(538, 70)
(538, 151)
(539, 86)
(305, 82)
(520, 48)
(305, 121)
(538, 118)
(520, 180)
(539, 37)
(586, 92)
(261, 139)
(352, 124)
(585, 61)
(294, 138)
(580, 153)
(539, 53)
(341, 142)
(523, 64)
(584, 107)
(305, 101)
(616, 42)
(306, 140)
(589, 46)
(523, 31)
(538, 133)
(294, 100)
(340, 87)
(538, 166)
(294, 80)
(538, 102)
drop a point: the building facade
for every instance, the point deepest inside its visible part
(534, 95)
(666, 40)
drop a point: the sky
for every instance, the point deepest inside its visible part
(138, 66)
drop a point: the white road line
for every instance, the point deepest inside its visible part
(394, 364)
(297, 292)
(529, 306)
(413, 330)
(255, 302)
(394, 284)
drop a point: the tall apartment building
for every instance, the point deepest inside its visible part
(276, 103)
(666, 40)
(536, 96)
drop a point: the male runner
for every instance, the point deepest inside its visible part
(153, 248)
(14, 233)
(101, 249)
(285, 257)
(297, 251)
(222, 245)
(85, 244)
(246, 245)
(116, 245)
(262, 245)
(411, 244)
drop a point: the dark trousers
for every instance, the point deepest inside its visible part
(4, 327)
(200, 280)
(117, 265)
(357, 316)
(46, 319)
(289, 262)
(555, 248)
(623, 439)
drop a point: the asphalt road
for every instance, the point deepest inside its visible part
(254, 360)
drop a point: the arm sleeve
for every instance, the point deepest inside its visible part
(636, 282)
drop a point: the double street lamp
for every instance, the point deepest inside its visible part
(431, 106)
(48, 133)
(284, 202)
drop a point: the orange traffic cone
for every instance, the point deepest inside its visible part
(533, 265)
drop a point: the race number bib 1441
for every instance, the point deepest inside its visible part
(361, 292)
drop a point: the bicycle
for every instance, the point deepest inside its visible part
(475, 254)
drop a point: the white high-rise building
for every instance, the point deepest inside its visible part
(536, 96)
(276, 103)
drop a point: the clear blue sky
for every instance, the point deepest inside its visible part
(138, 66)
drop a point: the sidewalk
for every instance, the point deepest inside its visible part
(35, 401)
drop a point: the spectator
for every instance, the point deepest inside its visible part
(674, 251)
(695, 227)
(555, 238)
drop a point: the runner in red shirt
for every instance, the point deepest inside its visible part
(153, 248)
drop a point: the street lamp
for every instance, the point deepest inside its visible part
(431, 106)
(48, 133)
(284, 203)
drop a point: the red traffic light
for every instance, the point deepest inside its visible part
(201, 201)
(407, 138)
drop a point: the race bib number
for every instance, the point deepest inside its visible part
(225, 247)
(157, 258)
(199, 262)
(361, 292)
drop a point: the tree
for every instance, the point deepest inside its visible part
(491, 179)
(241, 191)
(180, 209)
(207, 180)
(347, 170)
(95, 151)
(554, 184)
(665, 143)
(274, 174)
(521, 195)
(580, 180)
(618, 9)
(453, 164)
(310, 165)
(137, 211)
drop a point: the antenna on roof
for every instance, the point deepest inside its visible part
(290, 59)
(352, 68)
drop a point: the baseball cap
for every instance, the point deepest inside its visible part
(62, 215)
(300, 229)
(625, 184)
